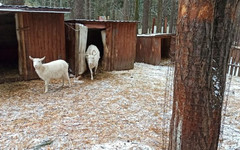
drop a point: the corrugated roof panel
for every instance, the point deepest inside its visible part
(23, 8)
(93, 20)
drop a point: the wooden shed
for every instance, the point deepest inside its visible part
(116, 41)
(29, 31)
(151, 48)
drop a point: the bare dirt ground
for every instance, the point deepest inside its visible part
(123, 109)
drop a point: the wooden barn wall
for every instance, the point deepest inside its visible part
(122, 46)
(148, 50)
(151, 49)
(70, 45)
(43, 35)
(107, 57)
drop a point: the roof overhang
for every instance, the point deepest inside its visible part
(22, 8)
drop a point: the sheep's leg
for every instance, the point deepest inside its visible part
(69, 83)
(46, 86)
(95, 70)
(68, 79)
(91, 73)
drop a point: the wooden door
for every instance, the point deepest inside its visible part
(80, 48)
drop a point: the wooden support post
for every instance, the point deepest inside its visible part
(153, 24)
(165, 25)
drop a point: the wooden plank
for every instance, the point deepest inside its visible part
(105, 48)
(107, 54)
(149, 50)
(21, 45)
(124, 44)
(20, 59)
(70, 45)
(76, 49)
(62, 44)
(45, 37)
(83, 33)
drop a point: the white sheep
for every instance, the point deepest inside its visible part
(52, 70)
(92, 56)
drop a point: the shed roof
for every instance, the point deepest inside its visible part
(99, 24)
(102, 21)
(23, 8)
(156, 35)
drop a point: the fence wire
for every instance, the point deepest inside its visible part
(167, 104)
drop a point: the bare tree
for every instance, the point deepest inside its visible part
(78, 11)
(126, 10)
(14, 2)
(172, 16)
(203, 42)
(159, 16)
(136, 16)
(88, 9)
(146, 7)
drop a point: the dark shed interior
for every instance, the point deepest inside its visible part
(8, 47)
(94, 37)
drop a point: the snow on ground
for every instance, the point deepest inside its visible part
(231, 118)
(120, 109)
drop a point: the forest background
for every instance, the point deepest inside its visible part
(149, 13)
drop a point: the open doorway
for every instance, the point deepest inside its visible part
(95, 37)
(8, 48)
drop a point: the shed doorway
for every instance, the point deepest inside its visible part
(95, 37)
(78, 38)
(8, 48)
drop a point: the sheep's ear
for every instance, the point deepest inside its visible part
(42, 58)
(30, 58)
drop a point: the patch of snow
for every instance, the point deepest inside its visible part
(120, 145)
(118, 106)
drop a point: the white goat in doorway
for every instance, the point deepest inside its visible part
(92, 56)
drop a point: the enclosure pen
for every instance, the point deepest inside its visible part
(167, 103)
(234, 61)
(224, 109)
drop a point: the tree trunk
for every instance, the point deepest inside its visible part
(14, 2)
(107, 9)
(88, 9)
(136, 10)
(61, 3)
(146, 8)
(159, 17)
(172, 16)
(125, 10)
(136, 16)
(78, 11)
(203, 42)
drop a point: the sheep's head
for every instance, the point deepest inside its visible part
(37, 62)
